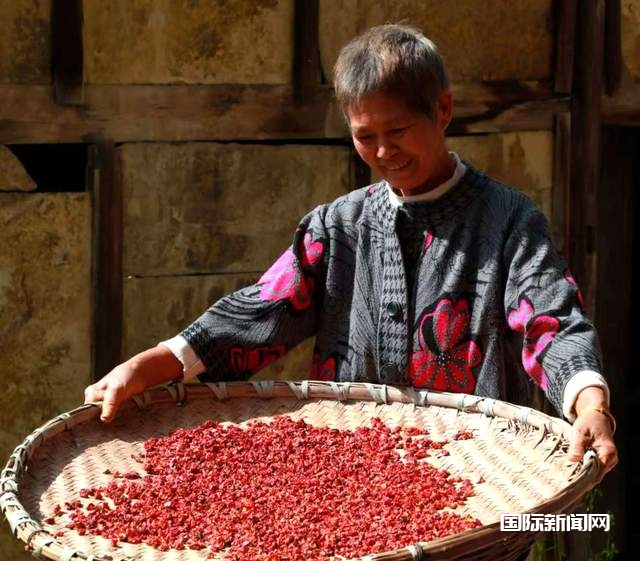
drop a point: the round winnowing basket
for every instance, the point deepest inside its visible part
(517, 459)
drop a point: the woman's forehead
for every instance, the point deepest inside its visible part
(378, 109)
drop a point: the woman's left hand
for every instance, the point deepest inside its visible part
(594, 429)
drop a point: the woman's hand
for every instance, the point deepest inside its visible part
(594, 428)
(153, 366)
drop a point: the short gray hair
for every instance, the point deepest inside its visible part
(393, 59)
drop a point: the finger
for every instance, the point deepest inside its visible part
(608, 458)
(580, 441)
(93, 393)
(110, 402)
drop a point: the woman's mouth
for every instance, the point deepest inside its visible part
(397, 166)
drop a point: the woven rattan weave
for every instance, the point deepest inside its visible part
(517, 458)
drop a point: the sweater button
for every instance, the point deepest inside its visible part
(394, 311)
(388, 372)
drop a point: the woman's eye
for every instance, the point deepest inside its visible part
(364, 138)
(399, 130)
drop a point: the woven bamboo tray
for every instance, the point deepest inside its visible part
(518, 454)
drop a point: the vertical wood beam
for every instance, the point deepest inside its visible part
(586, 111)
(67, 57)
(612, 46)
(107, 257)
(561, 180)
(565, 19)
(306, 49)
(615, 247)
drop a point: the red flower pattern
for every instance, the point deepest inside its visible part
(325, 371)
(538, 331)
(250, 361)
(448, 366)
(286, 279)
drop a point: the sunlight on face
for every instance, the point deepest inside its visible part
(406, 148)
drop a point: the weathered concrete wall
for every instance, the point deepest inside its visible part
(630, 36)
(13, 177)
(188, 41)
(490, 40)
(24, 42)
(45, 316)
(213, 208)
(523, 160)
(225, 210)
(158, 308)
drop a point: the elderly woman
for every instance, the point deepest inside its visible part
(437, 276)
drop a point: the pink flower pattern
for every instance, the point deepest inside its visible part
(538, 332)
(287, 280)
(569, 278)
(428, 239)
(448, 366)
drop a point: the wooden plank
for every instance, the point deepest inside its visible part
(561, 180)
(106, 189)
(565, 15)
(306, 49)
(586, 111)
(612, 46)
(613, 318)
(243, 112)
(624, 107)
(67, 65)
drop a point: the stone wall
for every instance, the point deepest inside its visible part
(45, 313)
(186, 41)
(489, 40)
(630, 33)
(204, 219)
(25, 50)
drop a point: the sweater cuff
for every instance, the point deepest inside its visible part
(191, 363)
(575, 385)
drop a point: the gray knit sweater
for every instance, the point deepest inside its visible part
(465, 293)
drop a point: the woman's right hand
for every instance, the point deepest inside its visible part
(148, 368)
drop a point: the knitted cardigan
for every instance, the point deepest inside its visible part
(465, 294)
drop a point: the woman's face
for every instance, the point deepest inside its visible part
(403, 147)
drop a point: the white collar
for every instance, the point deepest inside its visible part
(434, 194)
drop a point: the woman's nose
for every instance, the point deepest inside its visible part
(386, 149)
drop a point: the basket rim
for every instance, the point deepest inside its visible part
(43, 544)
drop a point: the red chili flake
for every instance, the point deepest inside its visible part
(282, 490)
(463, 435)
(131, 475)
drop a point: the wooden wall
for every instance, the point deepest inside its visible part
(211, 130)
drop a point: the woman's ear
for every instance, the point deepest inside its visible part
(445, 109)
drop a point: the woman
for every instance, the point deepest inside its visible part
(437, 276)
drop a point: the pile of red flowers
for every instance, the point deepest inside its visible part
(281, 490)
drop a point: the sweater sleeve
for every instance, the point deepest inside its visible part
(544, 304)
(245, 331)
